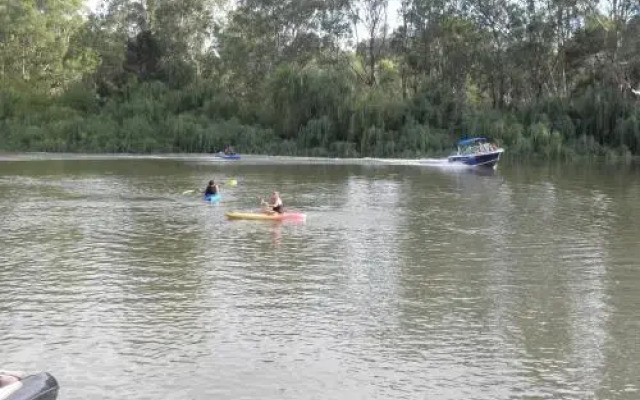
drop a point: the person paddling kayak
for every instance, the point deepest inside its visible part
(212, 189)
(275, 204)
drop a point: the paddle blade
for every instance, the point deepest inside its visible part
(232, 182)
(188, 191)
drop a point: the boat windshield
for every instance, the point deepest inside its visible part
(476, 147)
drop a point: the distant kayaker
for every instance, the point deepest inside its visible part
(275, 203)
(212, 189)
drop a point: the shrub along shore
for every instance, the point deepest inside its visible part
(152, 118)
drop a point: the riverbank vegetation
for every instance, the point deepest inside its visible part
(349, 78)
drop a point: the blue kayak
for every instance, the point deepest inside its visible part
(212, 198)
(231, 156)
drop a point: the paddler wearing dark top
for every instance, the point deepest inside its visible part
(212, 189)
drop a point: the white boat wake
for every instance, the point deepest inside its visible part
(426, 162)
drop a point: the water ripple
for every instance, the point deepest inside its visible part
(404, 283)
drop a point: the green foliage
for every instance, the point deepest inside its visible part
(35, 44)
(277, 78)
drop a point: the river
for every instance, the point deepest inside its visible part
(405, 281)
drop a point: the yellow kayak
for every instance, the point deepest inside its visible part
(287, 216)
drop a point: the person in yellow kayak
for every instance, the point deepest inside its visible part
(275, 204)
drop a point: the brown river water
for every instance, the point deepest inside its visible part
(405, 282)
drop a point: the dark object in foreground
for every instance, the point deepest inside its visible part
(41, 386)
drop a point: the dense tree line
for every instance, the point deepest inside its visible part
(555, 78)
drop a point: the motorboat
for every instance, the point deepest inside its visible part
(477, 152)
(40, 386)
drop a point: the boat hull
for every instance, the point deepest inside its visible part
(488, 159)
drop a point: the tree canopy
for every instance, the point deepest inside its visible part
(552, 78)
